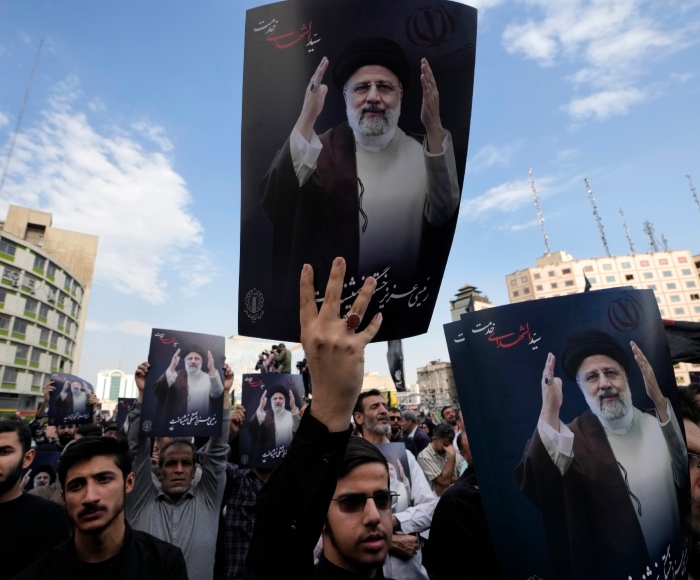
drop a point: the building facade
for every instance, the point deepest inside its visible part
(44, 293)
(465, 297)
(111, 385)
(436, 384)
(673, 277)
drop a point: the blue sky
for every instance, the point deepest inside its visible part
(132, 133)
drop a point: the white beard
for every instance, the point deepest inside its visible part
(278, 410)
(372, 126)
(613, 410)
(193, 370)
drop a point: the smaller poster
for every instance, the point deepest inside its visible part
(399, 475)
(123, 406)
(184, 391)
(70, 400)
(42, 470)
(272, 402)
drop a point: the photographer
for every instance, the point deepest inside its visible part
(303, 368)
(261, 365)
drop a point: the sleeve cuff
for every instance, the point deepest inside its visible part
(563, 439)
(446, 143)
(669, 410)
(307, 152)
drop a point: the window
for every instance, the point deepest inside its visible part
(516, 294)
(626, 265)
(651, 286)
(690, 284)
(695, 296)
(644, 263)
(667, 273)
(20, 326)
(551, 273)
(10, 376)
(4, 322)
(74, 310)
(51, 292)
(607, 266)
(592, 280)
(513, 282)
(554, 284)
(11, 275)
(629, 277)
(54, 338)
(69, 323)
(39, 262)
(54, 362)
(679, 310)
(675, 298)
(51, 270)
(30, 305)
(663, 262)
(36, 380)
(537, 276)
(610, 278)
(648, 275)
(671, 285)
(682, 260)
(44, 337)
(75, 286)
(22, 352)
(661, 312)
(61, 320)
(3, 296)
(538, 287)
(697, 309)
(36, 355)
(566, 271)
(526, 291)
(685, 271)
(588, 269)
(61, 297)
(68, 282)
(43, 310)
(7, 247)
(569, 283)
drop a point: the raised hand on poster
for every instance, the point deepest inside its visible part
(650, 383)
(140, 378)
(48, 389)
(174, 362)
(211, 366)
(93, 400)
(292, 403)
(263, 402)
(237, 418)
(552, 396)
(314, 99)
(430, 109)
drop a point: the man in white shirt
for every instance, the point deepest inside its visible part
(404, 560)
(609, 484)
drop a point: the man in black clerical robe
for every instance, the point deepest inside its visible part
(593, 502)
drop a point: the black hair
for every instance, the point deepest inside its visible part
(24, 433)
(690, 408)
(176, 441)
(360, 404)
(89, 447)
(359, 452)
(45, 468)
(444, 431)
(89, 430)
(394, 410)
(446, 407)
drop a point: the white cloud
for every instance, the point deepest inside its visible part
(91, 325)
(482, 5)
(96, 105)
(109, 183)
(134, 327)
(566, 155)
(3, 119)
(682, 77)
(24, 37)
(507, 197)
(614, 42)
(490, 155)
(154, 133)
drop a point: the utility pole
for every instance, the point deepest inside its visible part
(540, 217)
(597, 216)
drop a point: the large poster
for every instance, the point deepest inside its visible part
(184, 391)
(571, 412)
(354, 142)
(69, 403)
(272, 403)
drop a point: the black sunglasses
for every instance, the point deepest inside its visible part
(351, 503)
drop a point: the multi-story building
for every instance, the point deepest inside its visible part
(672, 275)
(436, 384)
(465, 297)
(112, 385)
(44, 293)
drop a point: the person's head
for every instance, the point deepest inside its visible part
(690, 410)
(15, 454)
(464, 449)
(443, 435)
(449, 416)
(43, 475)
(76, 387)
(280, 347)
(597, 363)
(395, 422)
(111, 429)
(358, 529)
(370, 413)
(88, 430)
(373, 74)
(194, 360)
(66, 434)
(278, 400)
(95, 474)
(410, 421)
(176, 466)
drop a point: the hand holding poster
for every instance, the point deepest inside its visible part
(272, 402)
(354, 145)
(184, 390)
(571, 410)
(69, 402)
(123, 406)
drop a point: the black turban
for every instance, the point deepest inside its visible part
(194, 348)
(580, 346)
(368, 51)
(282, 390)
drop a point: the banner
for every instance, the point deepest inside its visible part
(69, 403)
(123, 406)
(355, 127)
(571, 412)
(394, 356)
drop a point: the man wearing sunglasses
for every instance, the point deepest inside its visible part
(328, 484)
(612, 459)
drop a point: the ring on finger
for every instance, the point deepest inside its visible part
(313, 87)
(352, 320)
(547, 380)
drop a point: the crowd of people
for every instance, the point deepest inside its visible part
(120, 506)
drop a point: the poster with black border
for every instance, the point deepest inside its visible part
(272, 403)
(123, 406)
(354, 137)
(69, 403)
(184, 391)
(42, 471)
(579, 431)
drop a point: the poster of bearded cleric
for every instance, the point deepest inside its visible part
(42, 471)
(355, 128)
(272, 404)
(184, 391)
(570, 405)
(69, 402)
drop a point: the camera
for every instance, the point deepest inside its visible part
(301, 364)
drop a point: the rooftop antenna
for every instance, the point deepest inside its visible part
(664, 242)
(597, 216)
(19, 117)
(627, 231)
(649, 231)
(692, 190)
(540, 218)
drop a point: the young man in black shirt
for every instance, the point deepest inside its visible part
(328, 483)
(30, 525)
(95, 474)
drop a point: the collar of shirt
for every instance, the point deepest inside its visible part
(374, 144)
(412, 433)
(619, 426)
(162, 496)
